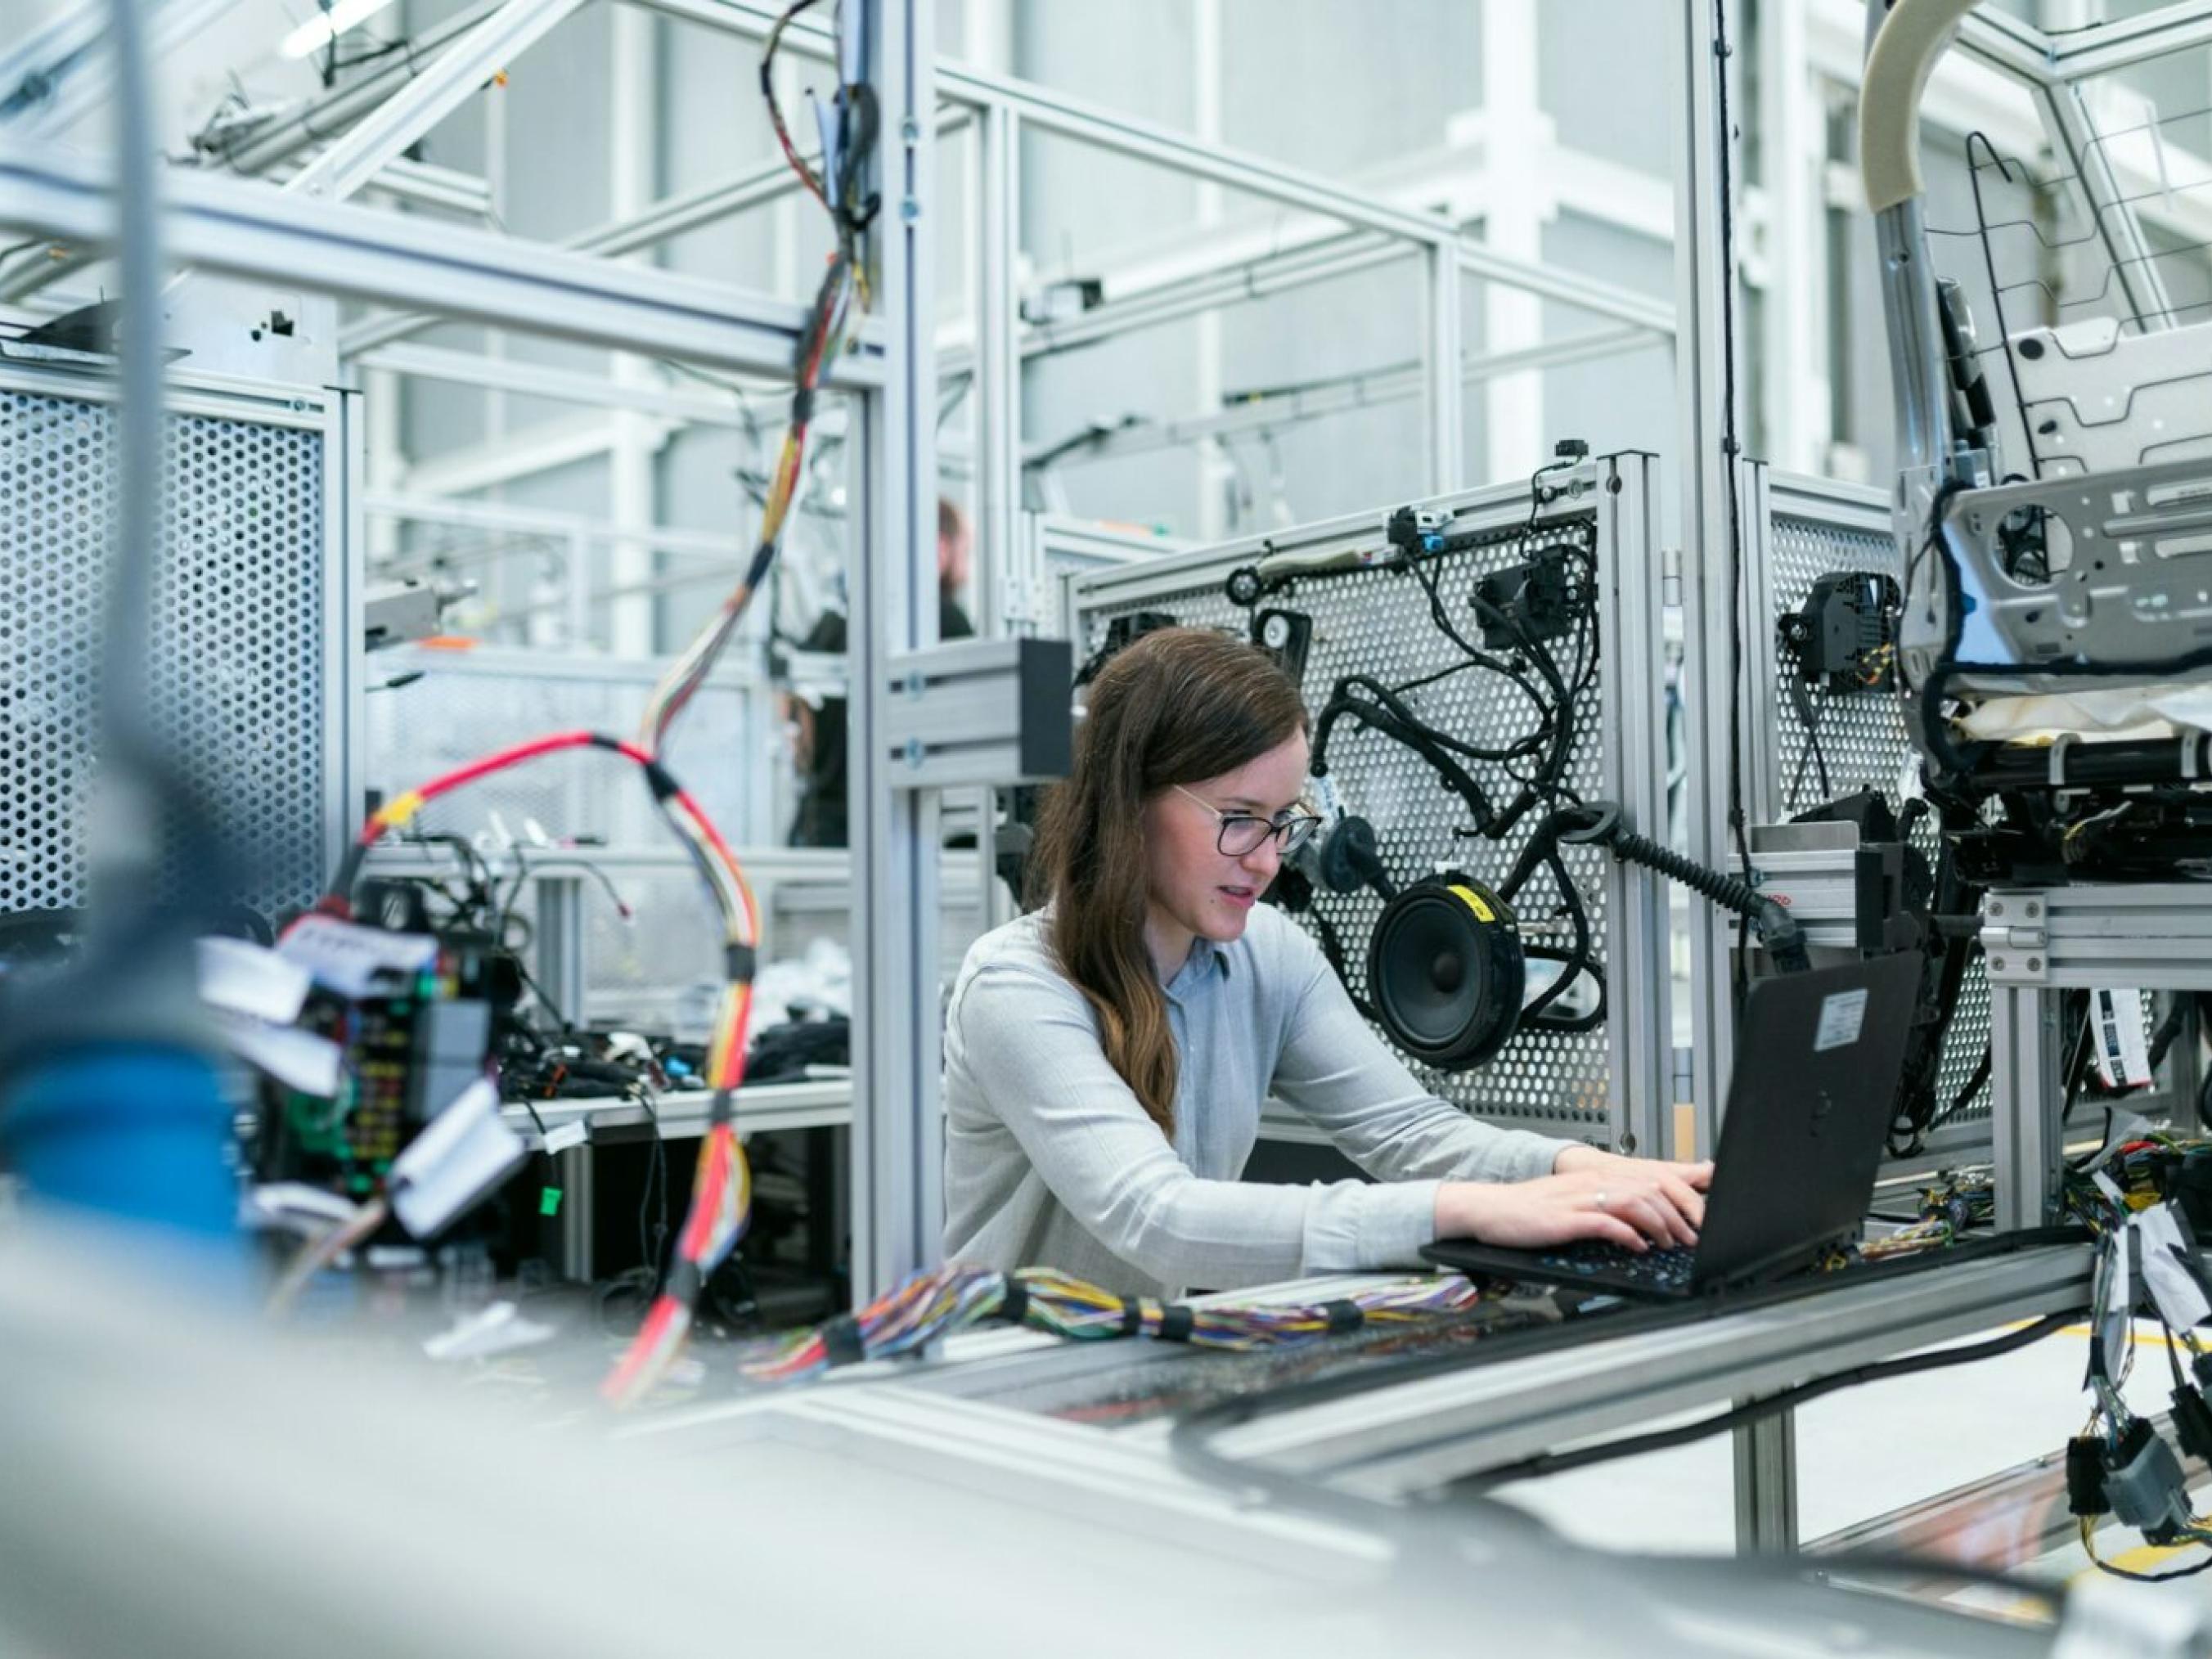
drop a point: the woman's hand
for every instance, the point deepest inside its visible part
(1682, 1185)
(1629, 1201)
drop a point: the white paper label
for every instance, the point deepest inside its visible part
(575, 1132)
(351, 959)
(2165, 1262)
(466, 1152)
(2119, 1308)
(1842, 1017)
(243, 978)
(2122, 1047)
(298, 1059)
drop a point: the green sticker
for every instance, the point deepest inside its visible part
(548, 1202)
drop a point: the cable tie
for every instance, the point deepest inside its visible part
(841, 1342)
(1177, 1323)
(739, 963)
(1133, 1315)
(1014, 1303)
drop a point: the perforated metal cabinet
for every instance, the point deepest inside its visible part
(1609, 1086)
(255, 654)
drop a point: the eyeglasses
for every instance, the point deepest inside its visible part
(1243, 832)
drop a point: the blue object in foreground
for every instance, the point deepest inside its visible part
(133, 1132)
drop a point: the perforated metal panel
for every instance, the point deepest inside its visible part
(1378, 623)
(1807, 533)
(237, 657)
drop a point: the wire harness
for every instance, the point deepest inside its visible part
(931, 1304)
(2119, 1465)
(721, 1199)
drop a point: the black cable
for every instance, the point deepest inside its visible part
(1756, 1410)
(1975, 1082)
(1997, 295)
(651, 1243)
(2133, 1577)
(1808, 716)
(1731, 450)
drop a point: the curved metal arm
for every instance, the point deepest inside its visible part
(1899, 59)
(1912, 38)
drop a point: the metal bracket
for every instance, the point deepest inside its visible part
(2015, 940)
(979, 712)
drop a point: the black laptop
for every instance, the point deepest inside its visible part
(1818, 1059)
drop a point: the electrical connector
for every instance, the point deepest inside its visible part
(1533, 600)
(2144, 1483)
(2192, 1423)
(2085, 1477)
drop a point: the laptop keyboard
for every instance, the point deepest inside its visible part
(1668, 1269)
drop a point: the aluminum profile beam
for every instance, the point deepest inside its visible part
(898, 1128)
(242, 229)
(1387, 1441)
(56, 76)
(700, 408)
(350, 162)
(2021, 49)
(2004, 42)
(427, 186)
(2124, 41)
(1046, 111)
(1389, 386)
(1161, 303)
(1000, 533)
(707, 204)
(287, 133)
(63, 70)
(499, 517)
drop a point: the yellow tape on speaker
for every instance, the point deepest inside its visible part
(1473, 900)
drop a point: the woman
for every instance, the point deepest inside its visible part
(1106, 1057)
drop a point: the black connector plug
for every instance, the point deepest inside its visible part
(2192, 1423)
(2085, 1478)
(1528, 602)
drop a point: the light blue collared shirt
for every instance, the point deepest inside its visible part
(1050, 1160)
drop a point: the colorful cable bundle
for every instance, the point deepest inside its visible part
(721, 1199)
(931, 1304)
(1947, 1211)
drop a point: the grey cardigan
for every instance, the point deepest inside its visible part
(1050, 1160)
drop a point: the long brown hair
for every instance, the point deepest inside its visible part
(1180, 705)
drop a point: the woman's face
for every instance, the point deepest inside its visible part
(1191, 887)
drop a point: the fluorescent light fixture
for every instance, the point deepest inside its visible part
(319, 31)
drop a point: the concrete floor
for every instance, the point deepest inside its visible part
(1870, 1451)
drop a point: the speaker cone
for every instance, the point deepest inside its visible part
(1445, 972)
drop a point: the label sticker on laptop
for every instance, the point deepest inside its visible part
(1842, 1017)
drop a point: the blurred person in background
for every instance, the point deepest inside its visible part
(819, 732)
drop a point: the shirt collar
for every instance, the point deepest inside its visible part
(1206, 955)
